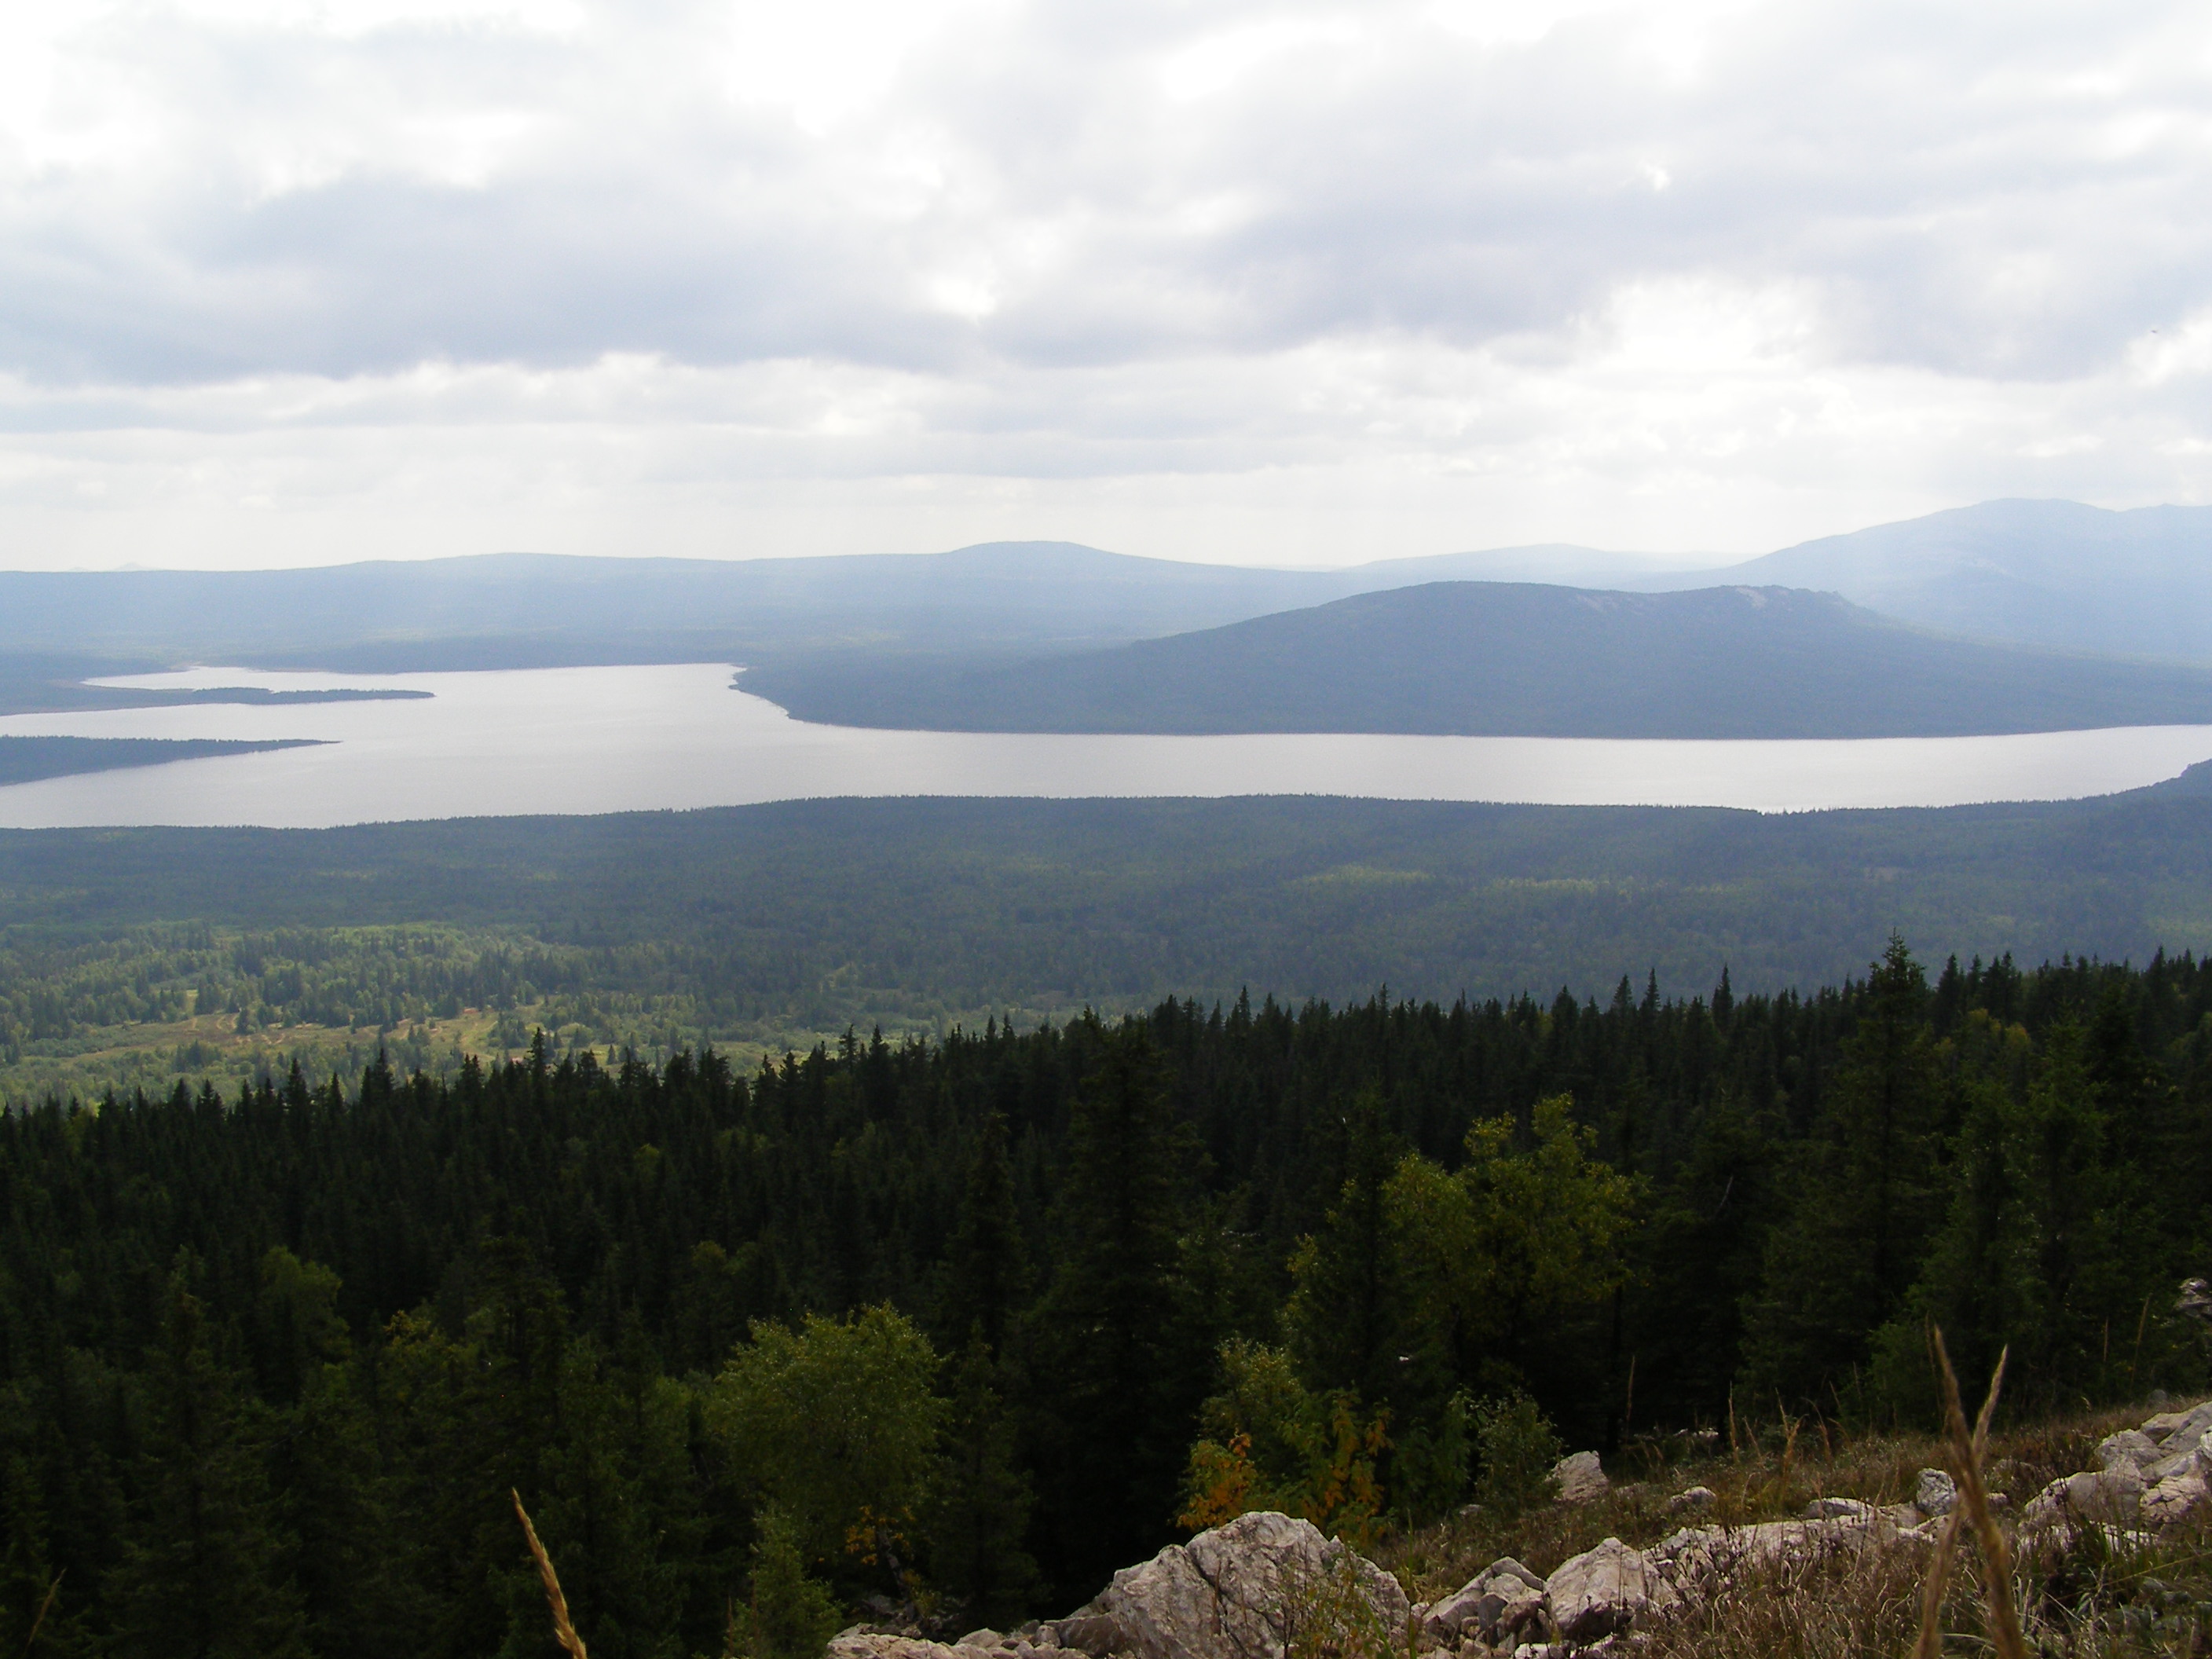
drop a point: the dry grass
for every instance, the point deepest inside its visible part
(1968, 1449)
(2089, 1597)
(563, 1632)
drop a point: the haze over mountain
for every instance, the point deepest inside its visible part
(1521, 658)
(863, 638)
(996, 593)
(2138, 583)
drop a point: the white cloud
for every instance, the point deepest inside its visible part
(1236, 280)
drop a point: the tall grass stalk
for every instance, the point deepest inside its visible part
(1967, 1447)
(563, 1632)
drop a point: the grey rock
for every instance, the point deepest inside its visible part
(2128, 1446)
(1578, 1478)
(2195, 1301)
(1497, 1597)
(2111, 1496)
(1506, 1567)
(1612, 1587)
(1934, 1492)
(1698, 1555)
(1510, 1611)
(1230, 1592)
(862, 1643)
(1837, 1508)
(1693, 1500)
(2174, 1499)
(2186, 1450)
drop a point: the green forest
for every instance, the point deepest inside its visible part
(977, 1319)
(129, 957)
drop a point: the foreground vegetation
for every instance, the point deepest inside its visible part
(2089, 1595)
(974, 1321)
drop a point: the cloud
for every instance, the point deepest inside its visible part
(1619, 265)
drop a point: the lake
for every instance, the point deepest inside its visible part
(624, 740)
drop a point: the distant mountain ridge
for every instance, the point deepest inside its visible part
(850, 632)
(511, 609)
(1521, 660)
(2136, 583)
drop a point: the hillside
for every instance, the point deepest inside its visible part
(1519, 658)
(2045, 573)
(517, 610)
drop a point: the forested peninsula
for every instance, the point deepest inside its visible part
(25, 760)
(992, 1312)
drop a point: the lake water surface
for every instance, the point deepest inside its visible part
(622, 739)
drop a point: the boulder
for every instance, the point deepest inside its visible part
(2128, 1446)
(1694, 1500)
(2186, 1451)
(2174, 1499)
(1578, 1478)
(1837, 1508)
(1162, 1609)
(2195, 1301)
(2171, 1429)
(1698, 1555)
(2111, 1496)
(1231, 1592)
(1934, 1492)
(1609, 1588)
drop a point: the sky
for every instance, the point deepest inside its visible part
(291, 284)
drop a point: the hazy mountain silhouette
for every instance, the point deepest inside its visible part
(1521, 658)
(2137, 583)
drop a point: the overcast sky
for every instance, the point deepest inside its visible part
(289, 283)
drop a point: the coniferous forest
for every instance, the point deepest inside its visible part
(978, 1320)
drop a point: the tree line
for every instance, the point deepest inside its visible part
(976, 1321)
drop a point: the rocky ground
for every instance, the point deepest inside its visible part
(2110, 1562)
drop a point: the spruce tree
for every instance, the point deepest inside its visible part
(201, 1571)
(1344, 1320)
(1122, 1367)
(1863, 1201)
(981, 1516)
(985, 1269)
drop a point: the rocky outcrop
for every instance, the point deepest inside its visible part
(1503, 1601)
(1240, 1591)
(1608, 1590)
(2151, 1475)
(1254, 1588)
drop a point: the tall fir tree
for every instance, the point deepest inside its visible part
(1863, 1201)
(1122, 1365)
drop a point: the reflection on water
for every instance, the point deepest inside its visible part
(619, 739)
